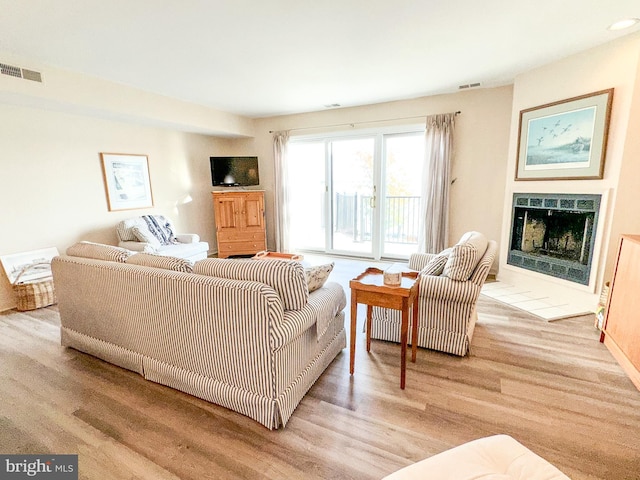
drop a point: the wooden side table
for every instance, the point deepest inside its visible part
(368, 288)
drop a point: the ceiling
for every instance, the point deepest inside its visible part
(265, 58)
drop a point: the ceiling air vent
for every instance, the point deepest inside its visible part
(18, 72)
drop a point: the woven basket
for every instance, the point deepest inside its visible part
(35, 294)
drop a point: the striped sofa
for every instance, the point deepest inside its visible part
(244, 334)
(450, 285)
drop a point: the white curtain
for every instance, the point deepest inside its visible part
(280, 142)
(436, 180)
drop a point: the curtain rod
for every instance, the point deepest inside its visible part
(352, 124)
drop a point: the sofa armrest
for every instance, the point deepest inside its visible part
(417, 261)
(138, 247)
(188, 237)
(444, 289)
(323, 305)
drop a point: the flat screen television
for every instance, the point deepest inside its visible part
(234, 171)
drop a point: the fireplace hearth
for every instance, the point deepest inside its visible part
(554, 234)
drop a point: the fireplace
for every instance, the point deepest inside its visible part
(554, 234)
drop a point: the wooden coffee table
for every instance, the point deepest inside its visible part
(368, 288)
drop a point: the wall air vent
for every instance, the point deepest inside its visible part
(469, 85)
(31, 75)
(10, 70)
(13, 71)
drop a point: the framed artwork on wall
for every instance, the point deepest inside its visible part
(564, 140)
(126, 180)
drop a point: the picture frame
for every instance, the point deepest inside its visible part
(126, 181)
(564, 140)
(28, 266)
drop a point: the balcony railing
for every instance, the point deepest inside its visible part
(353, 216)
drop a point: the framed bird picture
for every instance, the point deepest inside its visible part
(565, 140)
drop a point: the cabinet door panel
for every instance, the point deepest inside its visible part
(623, 316)
(253, 212)
(226, 213)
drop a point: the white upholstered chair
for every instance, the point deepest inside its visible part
(156, 234)
(450, 285)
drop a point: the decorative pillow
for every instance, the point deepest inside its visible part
(123, 229)
(465, 256)
(317, 276)
(161, 261)
(437, 263)
(145, 236)
(99, 251)
(160, 228)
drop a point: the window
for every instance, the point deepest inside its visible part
(357, 193)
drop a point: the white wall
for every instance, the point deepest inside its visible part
(613, 65)
(480, 149)
(72, 92)
(52, 190)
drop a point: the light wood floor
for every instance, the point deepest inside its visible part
(552, 386)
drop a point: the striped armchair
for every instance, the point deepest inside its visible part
(448, 294)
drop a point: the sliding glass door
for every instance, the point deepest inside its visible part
(307, 195)
(352, 198)
(403, 160)
(356, 195)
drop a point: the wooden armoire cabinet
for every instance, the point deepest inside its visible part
(239, 217)
(622, 325)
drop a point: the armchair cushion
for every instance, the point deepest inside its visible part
(144, 235)
(465, 256)
(417, 261)
(437, 263)
(150, 225)
(160, 228)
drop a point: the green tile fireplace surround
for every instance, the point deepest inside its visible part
(554, 234)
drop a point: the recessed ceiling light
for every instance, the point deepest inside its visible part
(622, 24)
